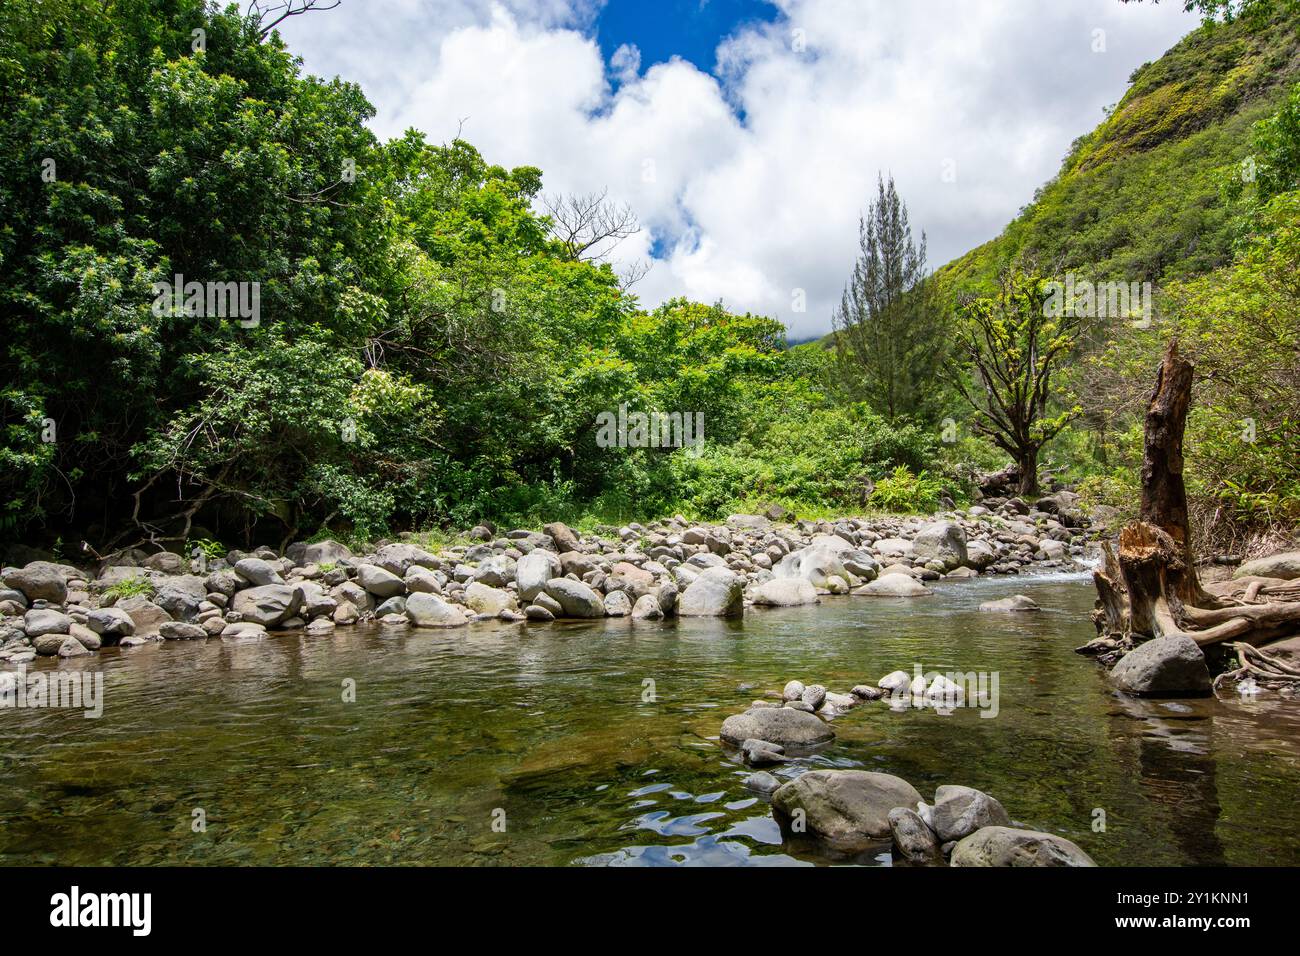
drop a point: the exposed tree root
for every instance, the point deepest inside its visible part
(1260, 667)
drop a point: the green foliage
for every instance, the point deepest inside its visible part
(1277, 140)
(905, 492)
(1242, 325)
(428, 355)
(130, 587)
(211, 550)
(829, 457)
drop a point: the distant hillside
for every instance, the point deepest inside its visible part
(1140, 197)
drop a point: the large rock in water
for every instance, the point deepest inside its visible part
(575, 598)
(784, 592)
(1164, 667)
(429, 610)
(894, 585)
(784, 726)
(846, 809)
(1004, 846)
(1017, 602)
(942, 541)
(960, 811)
(181, 596)
(482, 599)
(820, 564)
(146, 617)
(46, 621)
(1285, 566)
(268, 605)
(717, 592)
(913, 838)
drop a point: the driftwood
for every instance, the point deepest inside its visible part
(1151, 588)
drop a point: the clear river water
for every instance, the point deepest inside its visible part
(517, 745)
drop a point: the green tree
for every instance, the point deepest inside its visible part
(1013, 344)
(889, 329)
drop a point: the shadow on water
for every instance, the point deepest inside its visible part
(598, 743)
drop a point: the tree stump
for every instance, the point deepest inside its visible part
(1152, 589)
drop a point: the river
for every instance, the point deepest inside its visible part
(514, 745)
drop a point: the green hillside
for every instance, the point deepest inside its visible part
(1141, 196)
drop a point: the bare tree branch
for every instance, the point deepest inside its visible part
(271, 15)
(590, 225)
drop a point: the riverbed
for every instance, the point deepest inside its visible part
(596, 743)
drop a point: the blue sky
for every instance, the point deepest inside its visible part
(748, 181)
(690, 29)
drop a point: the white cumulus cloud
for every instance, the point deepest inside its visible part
(749, 183)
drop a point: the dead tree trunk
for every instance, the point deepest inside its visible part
(1152, 589)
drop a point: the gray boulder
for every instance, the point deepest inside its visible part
(482, 599)
(533, 571)
(257, 572)
(429, 610)
(565, 540)
(88, 638)
(497, 571)
(762, 782)
(1017, 602)
(38, 581)
(421, 579)
(71, 647)
(243, 631)
(181, 596)
(180, 631)
(894, 586)
(1164, 667)
(110, 623)
(1004, 846)
(942, 541)
(575, 598)
(846, 809)
(322, 552)
(46, 621)
(396, 558)
(761, 753)
(618, 604)
(913, 838)
(268, 605)
(717, 592)
(783, 726)
(166, 562)
(146, 616)
(647, 608)
(1285, 566)
(784, 592)
(47, 645)
(380, 582)
(960, 811)
(813, 695)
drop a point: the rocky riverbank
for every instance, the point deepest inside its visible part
(644, 573)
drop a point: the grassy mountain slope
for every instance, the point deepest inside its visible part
(1140, 197)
